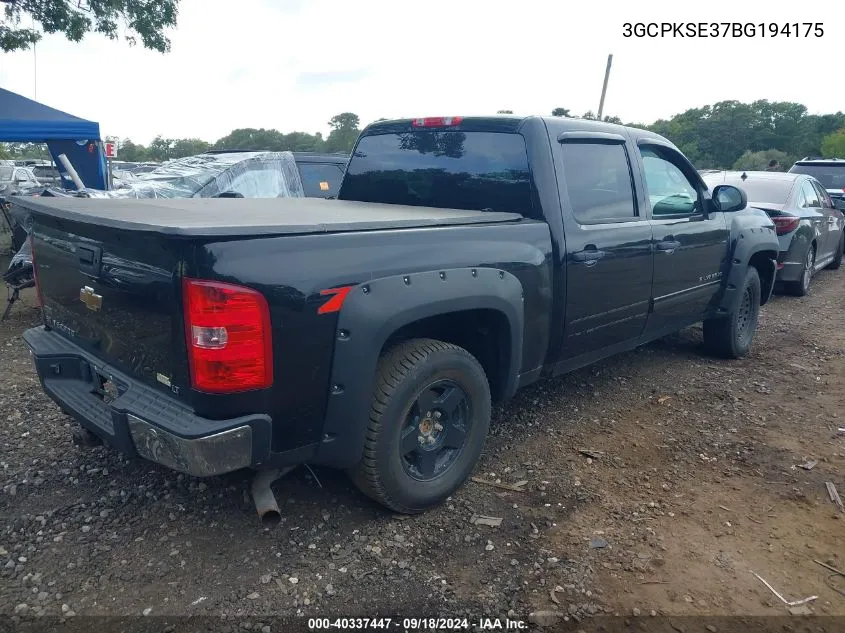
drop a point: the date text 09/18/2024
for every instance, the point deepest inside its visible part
(416, 624)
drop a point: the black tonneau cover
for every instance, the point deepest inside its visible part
(232, 217)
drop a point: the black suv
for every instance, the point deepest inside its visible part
(828, 171)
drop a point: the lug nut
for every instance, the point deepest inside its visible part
(438, 415)
(420, 439)
(431, 439)
(438, 427)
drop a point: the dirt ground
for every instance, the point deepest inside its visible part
(695, 481)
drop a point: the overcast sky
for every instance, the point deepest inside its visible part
(293, 64)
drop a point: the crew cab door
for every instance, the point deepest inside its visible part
(608, 244)
(690, 240)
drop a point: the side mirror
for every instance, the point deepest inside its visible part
(839, 203)
(727, 198)
(229, 194)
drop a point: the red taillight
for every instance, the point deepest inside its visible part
(437, 121)
(35, 272)
(230, 346)
(785, 223)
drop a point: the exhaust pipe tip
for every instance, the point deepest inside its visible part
(263, 497)
(271, 518)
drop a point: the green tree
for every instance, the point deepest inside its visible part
(160, 149)
(129, 151)
(188, 147)
(27, 150)
(251, 138)
(303, 142)
(759, 161)
(133, 19)
(718, 135)
(833, 145)
(344, 132)
(270, 140)
(813, 130)
(560, 112)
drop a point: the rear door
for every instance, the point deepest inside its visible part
(830, 223)
(690, 246)
(608, 244)
(811, 207)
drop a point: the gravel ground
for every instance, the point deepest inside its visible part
(655, 483)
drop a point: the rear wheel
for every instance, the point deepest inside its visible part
(801, 286)
(731, 336)
(429, 418)
(840, 250)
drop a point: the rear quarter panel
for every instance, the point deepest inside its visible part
(291, 271)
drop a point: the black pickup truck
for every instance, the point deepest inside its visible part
(465, 258)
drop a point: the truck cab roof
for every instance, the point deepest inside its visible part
(508, 123)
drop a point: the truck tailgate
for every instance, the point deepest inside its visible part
(113, 293)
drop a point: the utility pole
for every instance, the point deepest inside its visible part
(604, 87)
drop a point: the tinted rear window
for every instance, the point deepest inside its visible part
(445, 169)
(831, 176)
(757, 189)
(320, 180)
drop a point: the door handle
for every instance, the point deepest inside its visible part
(668, 246)
(588, 256)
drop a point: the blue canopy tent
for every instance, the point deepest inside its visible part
(25, 120)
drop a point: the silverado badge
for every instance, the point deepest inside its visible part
(91, 299)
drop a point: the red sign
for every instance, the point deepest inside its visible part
(111, 150)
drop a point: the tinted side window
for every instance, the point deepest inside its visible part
(669, 191)
(598, 181)
(824, 199)
(800, 198)
(320, 180)
(810, 194)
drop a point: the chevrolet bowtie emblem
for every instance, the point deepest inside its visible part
(91, 299)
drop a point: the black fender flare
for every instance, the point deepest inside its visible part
(373, 311)
(743, 251)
